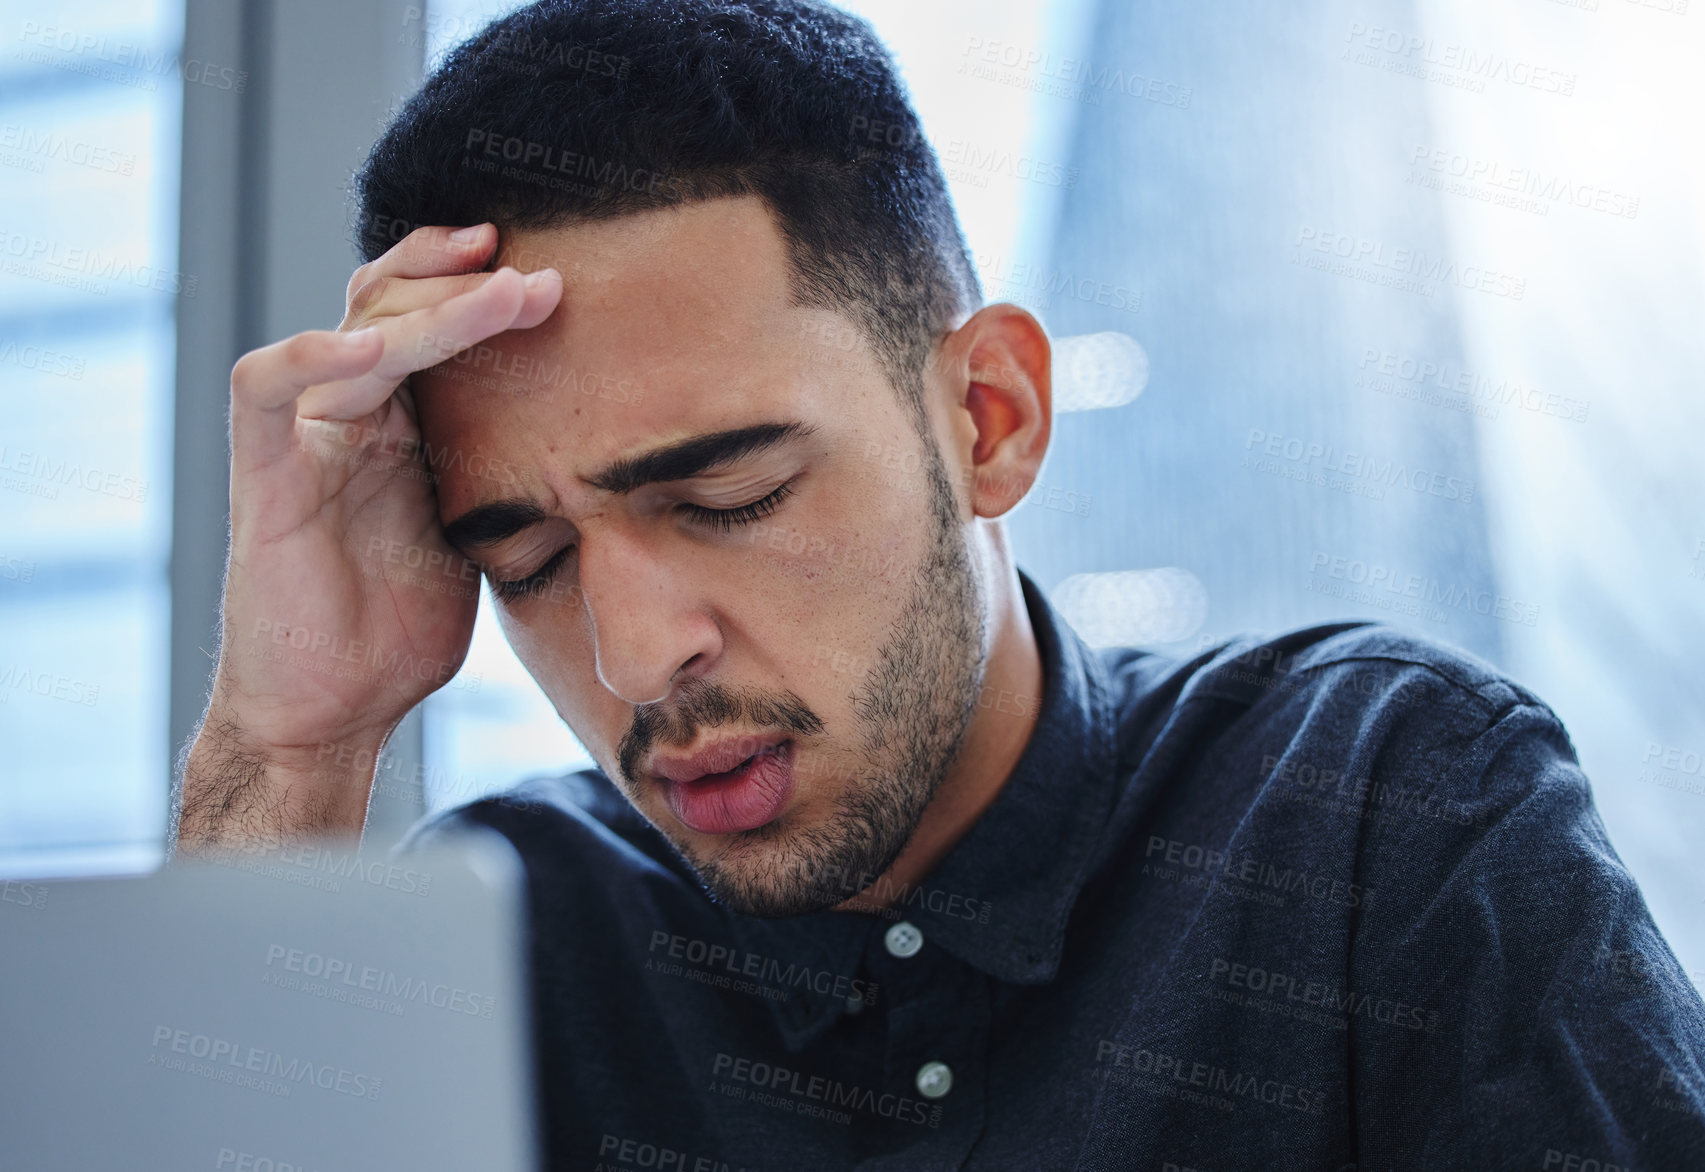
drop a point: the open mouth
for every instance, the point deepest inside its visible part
(744, 797)
(729, 773)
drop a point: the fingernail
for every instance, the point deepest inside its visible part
(538, 277)
(467, 235)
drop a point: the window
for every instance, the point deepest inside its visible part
(90, 104)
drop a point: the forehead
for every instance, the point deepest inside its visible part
(673, 322)
(659, 268)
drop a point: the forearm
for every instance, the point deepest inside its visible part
(229, 794)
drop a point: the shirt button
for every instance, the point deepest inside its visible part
(855, 1004)
(935, 1079)
(903, 940)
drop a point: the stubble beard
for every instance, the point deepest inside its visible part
(913, 707)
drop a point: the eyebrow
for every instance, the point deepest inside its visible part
(488, 524)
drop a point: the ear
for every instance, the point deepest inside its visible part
(998, 369)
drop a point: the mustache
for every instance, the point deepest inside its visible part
(704, 704)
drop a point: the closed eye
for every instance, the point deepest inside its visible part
(533, 583)
(722, 520)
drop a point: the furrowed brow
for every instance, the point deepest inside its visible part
(488, 524)
(695, 456)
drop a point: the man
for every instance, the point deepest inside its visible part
(881, 866)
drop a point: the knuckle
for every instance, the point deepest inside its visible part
(243, 374)
(299, 349)
(367, 298)
(357, 279)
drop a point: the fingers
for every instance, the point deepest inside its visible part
(395, 296)
(430, 252)
(426, 337)
(266, 383)
(423, 302)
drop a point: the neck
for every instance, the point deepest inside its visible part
(1005, 716)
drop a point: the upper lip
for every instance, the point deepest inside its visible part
(716, 757)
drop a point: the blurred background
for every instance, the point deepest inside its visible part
(1363, 308)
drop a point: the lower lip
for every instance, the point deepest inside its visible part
(741, 799)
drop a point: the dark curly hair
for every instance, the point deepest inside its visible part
(576, 110)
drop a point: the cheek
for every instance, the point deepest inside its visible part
(554, 647)
(844, 560)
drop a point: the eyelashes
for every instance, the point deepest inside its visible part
(533, 583)
(720, 520)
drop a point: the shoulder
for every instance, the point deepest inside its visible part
(1360, 665)
(1363, 701)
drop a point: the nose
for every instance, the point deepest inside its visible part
(650, 627)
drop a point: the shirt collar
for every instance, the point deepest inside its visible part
(1000, 898)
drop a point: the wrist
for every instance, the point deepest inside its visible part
(239, 791)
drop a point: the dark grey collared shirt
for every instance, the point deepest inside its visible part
(1338, 900)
